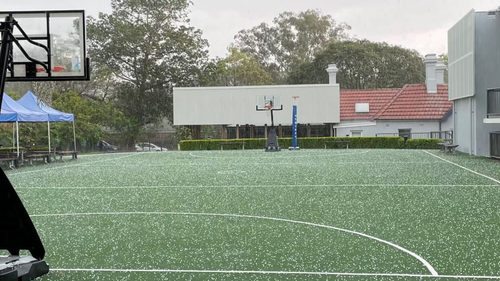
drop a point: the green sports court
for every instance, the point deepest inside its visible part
(248, 215)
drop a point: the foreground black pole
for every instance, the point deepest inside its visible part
(6, 28)
(17, 231)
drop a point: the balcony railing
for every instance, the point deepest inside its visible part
(494, 103)
(444, 135)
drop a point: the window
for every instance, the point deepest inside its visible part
(405, 133)
(357, 133)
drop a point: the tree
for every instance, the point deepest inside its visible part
(292, 39)
(149, 48)
(237, 69)
(91, 118)
(363, 65)
(444, 58)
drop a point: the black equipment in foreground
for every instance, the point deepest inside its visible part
(30, 56)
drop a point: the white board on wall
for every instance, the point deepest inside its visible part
(461, 39)
(318, 104)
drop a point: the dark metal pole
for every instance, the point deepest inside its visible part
(7, 28)
(272, 118)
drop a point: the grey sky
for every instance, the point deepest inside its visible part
(417, 24)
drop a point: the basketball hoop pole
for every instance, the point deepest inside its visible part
(272, 137)
(17, 231)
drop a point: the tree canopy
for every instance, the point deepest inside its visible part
(291, 39)
(237, 69)
(362, 65)
(149, 47)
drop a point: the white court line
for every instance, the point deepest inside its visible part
(106, 154)
(467, 169)
(284, 163)
(255, 186)
(288, 158)
(69, 165)
(270, 273)
(419, 258)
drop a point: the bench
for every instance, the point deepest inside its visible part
(242, 143)
(448, 148)
(32, 155)
(337, 142)
(73, 154)
(10, 158)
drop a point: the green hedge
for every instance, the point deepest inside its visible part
(423, 143)
(38, 148)
(306, 143)
(9, 148)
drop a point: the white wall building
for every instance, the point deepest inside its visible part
(474, 62)
(418, 111)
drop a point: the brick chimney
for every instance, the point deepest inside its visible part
(430, 73)
(332, 73)
(440, 69)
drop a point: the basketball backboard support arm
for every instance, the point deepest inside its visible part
(272, 113)
(6, 28)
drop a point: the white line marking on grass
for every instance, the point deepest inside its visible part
(284, 163)
(67, 165)
(287, 158)
(269, 273)
(467, 169)
(254, 186)
(106, 154)
(422, 260)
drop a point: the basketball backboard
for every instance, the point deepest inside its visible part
(55, 40)
(269, 102)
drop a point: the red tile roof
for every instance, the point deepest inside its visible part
(412, 102)
(376, 98)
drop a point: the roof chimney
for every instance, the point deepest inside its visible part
(430, 73)
(440, 68)
(332, 73)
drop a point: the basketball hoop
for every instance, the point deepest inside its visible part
(268, 107)
(295, 98)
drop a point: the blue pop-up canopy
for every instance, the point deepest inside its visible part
(7, 116)
(18, 113)
(23, 114)
(31, 102)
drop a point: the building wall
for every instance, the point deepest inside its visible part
(448, 123)
(461, 54)
(390, 127)
(318, 104)
(464, 126)
(487, 58)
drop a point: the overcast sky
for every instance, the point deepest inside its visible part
(416, 24)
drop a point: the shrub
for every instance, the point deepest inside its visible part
(9, 148)
(423, 143)
(39, 148)
(306, 143)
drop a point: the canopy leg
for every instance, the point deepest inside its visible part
(17, 137)
(74, 135)
(48, 132)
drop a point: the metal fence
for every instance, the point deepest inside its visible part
(494, 103)
(495, 145)
(444, 135)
